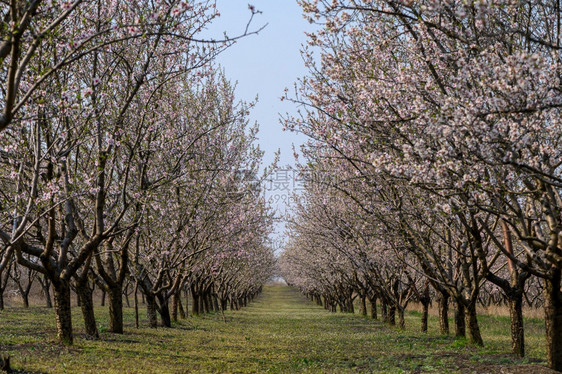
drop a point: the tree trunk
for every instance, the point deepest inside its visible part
(210, 303)
(474, 335)
(85, 294)
(47, 291)
(444, 313)
(136, 304)
(116, 309)
(517, 332)
(164, 311)
(102, 297)
(373, 302)
(460, 326)
(425, 300)
(384, 311)
(205, 300)
(195, 305)
(392, 315)
(182, 311)
(425, 316)
(63, 313)
(151, 313)
(126, 292)
(553, 320)
(350, 308)
(363, 306)
(515, 297)
(401, 320)
(3, 284)
(175, 306)
(206, 303)
(25, 299)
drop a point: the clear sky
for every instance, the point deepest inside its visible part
(264, 65)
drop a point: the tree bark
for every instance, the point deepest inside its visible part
(3, 284)
(126, 293)
(474, 335)
(373, 302)
(392, 315)
(195, 310)
(205, 303)
(401, 320)
(63, 313)
(25, 299)
(182, 310)
(116, 309)
(136, 304)
(514, 292)
(164, 311)
(363, 306)
(384, 311)
(151, 313)
(350, 308)
(46, 285)
(460, 326)
(85, 294)
(425, 300)
(553, 320)
(517, 331)
(215, 304)
(444, 313)
(425, 316)
(175, 306)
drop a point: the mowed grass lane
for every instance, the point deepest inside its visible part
(280, 332)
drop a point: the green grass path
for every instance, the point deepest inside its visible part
(280, 332)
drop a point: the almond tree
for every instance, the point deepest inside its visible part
(457, 99)
(72, 156)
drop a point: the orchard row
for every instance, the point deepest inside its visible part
(437, 127)
(125, 159)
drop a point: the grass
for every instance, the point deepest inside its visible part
(280, 332)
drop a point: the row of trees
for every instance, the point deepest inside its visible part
(434, 159)
(124, 155)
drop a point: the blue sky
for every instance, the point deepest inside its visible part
(265, 64)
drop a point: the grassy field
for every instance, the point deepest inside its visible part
(281, 332)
